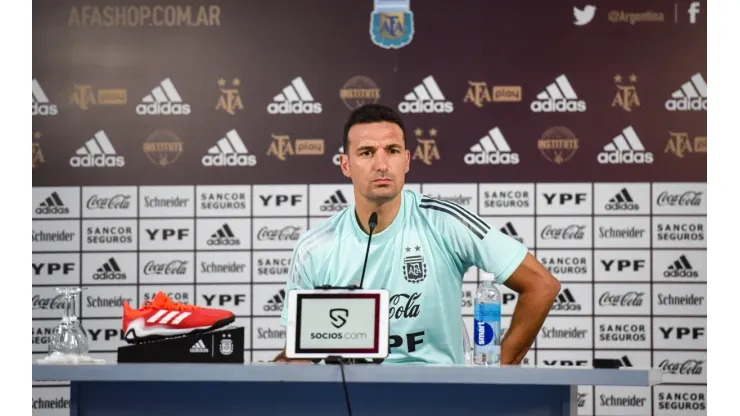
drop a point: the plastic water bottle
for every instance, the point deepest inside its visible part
(487, 325)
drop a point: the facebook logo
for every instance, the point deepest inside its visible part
(694, 9)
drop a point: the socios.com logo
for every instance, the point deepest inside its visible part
(338, 335)
(483, 332)
(338, 317)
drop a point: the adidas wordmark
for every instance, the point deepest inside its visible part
(425, 98)
(558, 97)
(491, 149)
(294, 99)
(692, 96)
(229, 151)
(626, 148)
(163, 100)
(41, 104)
(98, 152)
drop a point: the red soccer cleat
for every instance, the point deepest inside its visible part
(164, 318)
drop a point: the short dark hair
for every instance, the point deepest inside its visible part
(371, 113)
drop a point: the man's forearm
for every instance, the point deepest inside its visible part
(529, 315)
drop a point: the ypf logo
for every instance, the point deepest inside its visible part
(338, 317)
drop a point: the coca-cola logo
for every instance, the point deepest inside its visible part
(118, 201)
(47, 303)
(403, 305)
(290, 232)
(631, 298)
(686, 199)
(178, 267)
(688, 367)
(571, 232)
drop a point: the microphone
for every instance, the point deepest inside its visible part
(372, 223)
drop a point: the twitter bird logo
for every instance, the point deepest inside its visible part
(583, 17)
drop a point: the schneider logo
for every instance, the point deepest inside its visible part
(229, 151)
(425, 98)
(625, 148)
(692, 96)
(295, 99)
(98, 152)
(163, 100)
(558, 97)
(491, 149)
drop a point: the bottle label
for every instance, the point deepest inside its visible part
(488, 312)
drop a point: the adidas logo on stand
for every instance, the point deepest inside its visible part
(199, 347)
(625, 361)
(97, 152)
(223, 237)
(335, 202)
(41, 104)
(163, 100)
(491, 149)
(692, 96)
(626, 148)
(295, 99)
(558, 97)
(275, 304)
(565, 302)
(622, 201)
(509, 230)
(681, 268)
(110, 270)
(229, 151)
(52, 205)
(425, 98)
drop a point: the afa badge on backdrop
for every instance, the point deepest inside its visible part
(392, 23)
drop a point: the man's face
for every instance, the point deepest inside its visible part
(376, 160)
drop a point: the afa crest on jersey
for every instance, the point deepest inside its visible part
(414, 267)
(392, 23)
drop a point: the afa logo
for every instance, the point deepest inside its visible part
(226, 347)
(392, 23)
(414, 267)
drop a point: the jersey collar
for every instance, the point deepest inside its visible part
(385, 235)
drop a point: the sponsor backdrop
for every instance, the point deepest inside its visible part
(184, 147)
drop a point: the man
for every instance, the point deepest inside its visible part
(420, 250)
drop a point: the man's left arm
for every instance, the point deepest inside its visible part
(537, 289)
(511, 264)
